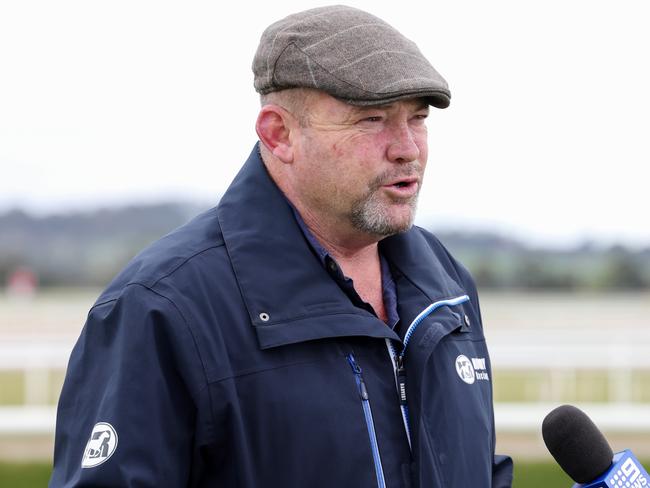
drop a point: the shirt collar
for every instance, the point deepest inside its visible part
(389, 292)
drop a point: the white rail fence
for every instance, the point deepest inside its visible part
(560, 355)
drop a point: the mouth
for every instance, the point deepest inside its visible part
(403, 182)
(403, 186)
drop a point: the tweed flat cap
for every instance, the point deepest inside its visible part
(348, 53)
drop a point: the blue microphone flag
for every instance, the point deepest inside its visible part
(625, 472)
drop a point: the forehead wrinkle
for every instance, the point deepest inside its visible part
(329, 121)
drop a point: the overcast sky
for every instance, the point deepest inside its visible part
(547, 137)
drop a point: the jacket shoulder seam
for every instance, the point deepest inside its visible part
(180, 313)
(194, 341)
(115, 298)
(178, 266)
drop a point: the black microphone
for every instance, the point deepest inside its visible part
(584, 454)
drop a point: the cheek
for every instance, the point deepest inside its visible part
(421, 141)
(346, 147)
(423, 135)
(359, 151)
(424, 153)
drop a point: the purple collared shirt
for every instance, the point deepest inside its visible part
(389, 291)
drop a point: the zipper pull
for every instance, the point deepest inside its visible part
(362, 389)
(356, 369)
(401, 379)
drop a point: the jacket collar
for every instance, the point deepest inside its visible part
(288, 294)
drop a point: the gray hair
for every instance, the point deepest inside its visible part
(293, 100)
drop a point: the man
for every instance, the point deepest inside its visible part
(303, 333)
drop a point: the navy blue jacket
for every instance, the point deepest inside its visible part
(224, 355)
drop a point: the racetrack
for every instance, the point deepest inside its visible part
(547, 349)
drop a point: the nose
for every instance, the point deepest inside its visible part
(402, 147)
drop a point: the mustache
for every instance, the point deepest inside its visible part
(408, 170)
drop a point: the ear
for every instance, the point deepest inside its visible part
(273, 127)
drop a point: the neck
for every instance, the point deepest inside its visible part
(359, 260)
(343, 242)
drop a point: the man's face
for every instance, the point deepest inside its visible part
(362, 167)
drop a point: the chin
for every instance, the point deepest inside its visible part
(402, 227)
(401, 221)
(383, 220)
(386, 227)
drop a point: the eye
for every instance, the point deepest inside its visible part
(373, 118)
(419, 120)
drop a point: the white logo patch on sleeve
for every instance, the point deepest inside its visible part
(471, 370)
(101, 445)
(465, 369)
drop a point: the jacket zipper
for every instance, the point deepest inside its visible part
(398, 359)
(370, 425)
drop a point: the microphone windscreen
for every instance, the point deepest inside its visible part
(577, 445)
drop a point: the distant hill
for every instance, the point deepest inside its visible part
(89, 248)
(84, 248)
(500, 262)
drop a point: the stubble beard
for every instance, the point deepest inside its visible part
(371, 214)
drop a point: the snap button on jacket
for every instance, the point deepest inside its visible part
(225, 355)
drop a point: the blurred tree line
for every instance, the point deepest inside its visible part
(83, 248)
(89, 248)
(501, 263)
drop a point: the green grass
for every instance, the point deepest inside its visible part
(573, 386)
(540, 475)
(12, 391)
(12, 387)
(527, 475)
(24, 475)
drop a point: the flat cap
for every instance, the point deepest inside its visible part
(348, 53)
